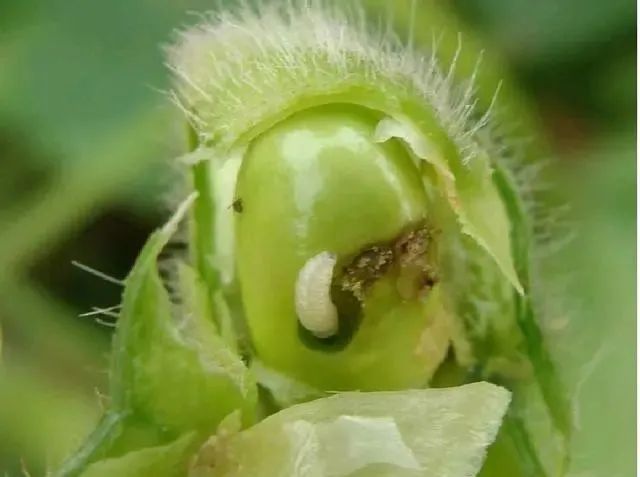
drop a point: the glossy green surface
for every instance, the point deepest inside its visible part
(317, 182)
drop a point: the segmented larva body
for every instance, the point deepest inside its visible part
(314, 308)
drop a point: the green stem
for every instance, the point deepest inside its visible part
(202, 225)
(116, 434)
(96, 446)
(529, 460)
(545, 371)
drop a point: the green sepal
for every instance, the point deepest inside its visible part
(415, 433)
(470, 191)
(171, 369)
(170, 460)
(170, 373)
(538, 427)
(546, 371)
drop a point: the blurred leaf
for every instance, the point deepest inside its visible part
(31, 227)
(548, 31)
(77, 69)
(45, 329)
(42, 420)
(597, 344)
(614, 90)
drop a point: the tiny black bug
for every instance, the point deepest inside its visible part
(238, 206)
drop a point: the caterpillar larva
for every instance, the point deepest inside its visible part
(314, 307)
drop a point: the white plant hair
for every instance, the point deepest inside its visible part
(249, 62)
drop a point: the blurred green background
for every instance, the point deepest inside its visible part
(86, 136)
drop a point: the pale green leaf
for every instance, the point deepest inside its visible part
(433, 432)
(174, 370)
(170, 460)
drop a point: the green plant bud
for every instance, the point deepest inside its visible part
(355, 227)
(399, 156)
(317, 185)
(356, 214)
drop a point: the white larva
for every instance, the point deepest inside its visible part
(316, 312)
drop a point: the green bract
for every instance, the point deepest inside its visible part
(418, 433)
(354, 227)
(166, 370)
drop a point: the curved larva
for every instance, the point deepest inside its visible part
(316, 312)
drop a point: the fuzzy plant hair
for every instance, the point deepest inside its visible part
(244, 69)
(241, 65)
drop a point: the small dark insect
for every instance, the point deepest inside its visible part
(237, 206)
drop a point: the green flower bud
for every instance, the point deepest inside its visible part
(356, 215)
(332, 214)
(353, 227)
(364, 155)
